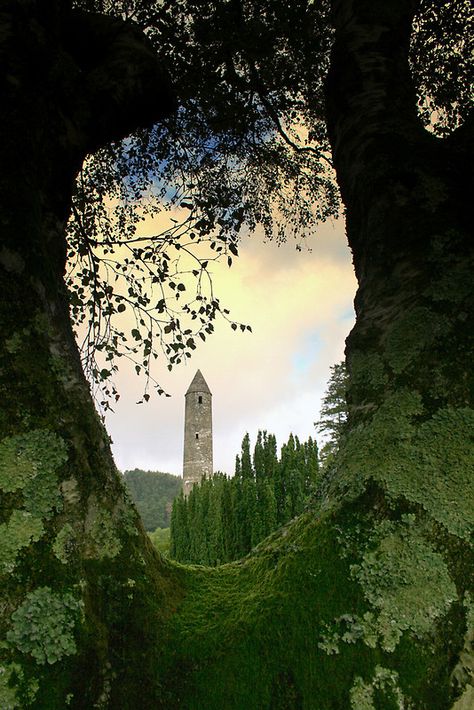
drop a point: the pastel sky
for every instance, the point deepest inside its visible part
(299, 305)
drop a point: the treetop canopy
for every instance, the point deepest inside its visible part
(246, 148)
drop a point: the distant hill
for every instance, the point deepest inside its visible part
(153, 493)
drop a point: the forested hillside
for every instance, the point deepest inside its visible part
(223, 518)
(153, 493)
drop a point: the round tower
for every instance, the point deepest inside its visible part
(197, 459)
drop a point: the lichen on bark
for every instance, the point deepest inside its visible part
(43, 625)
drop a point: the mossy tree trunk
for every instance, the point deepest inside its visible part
(407, 462)
(78, 600)
(408, 223)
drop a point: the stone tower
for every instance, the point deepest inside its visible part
(197, 460)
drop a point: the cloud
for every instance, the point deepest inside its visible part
(299, 304)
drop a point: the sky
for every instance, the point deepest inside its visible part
(299, 305)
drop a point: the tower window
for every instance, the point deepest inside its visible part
(197, 436)
(200, 399)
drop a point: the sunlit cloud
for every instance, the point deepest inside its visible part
(299, 305)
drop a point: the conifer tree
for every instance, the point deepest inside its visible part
(259, 456)
(333, 414)
(245, 459)
(179, 530)
(270, 455)
(224, 518)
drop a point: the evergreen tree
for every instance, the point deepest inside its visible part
(332, 420)
(311, 465)
(268, 508)
(228, 522)
(226, 517)
(259, 456)
(215, 521)
(270, 455)
(245, 459)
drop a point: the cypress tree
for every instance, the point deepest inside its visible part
(332, 420)
(259, 456)
(245, 460)
(270, 455)
(179, 533)
(224, 518)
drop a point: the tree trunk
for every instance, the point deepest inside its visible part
(83, 591)
(409, 453)
(407, 196)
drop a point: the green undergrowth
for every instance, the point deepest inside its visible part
(280, 628)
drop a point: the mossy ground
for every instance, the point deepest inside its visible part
(253, 634)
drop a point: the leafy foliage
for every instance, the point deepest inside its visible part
(161, 540)
(441, 56)
(223, 518)
(153, 493)
(246, 149)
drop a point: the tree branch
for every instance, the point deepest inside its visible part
(122, 84)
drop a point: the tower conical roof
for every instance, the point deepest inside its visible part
(198, 384)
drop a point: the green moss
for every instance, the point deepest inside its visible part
(30, 460)
(430, 464)
(404, 580)
(43, 625)
(65, 543)
(128, 517)
(28, 464)
(70, 491)
(382, 691)
(16, 342)
(102, 533)
(463, 674)
(8, 697)
(239, 623)
(367, 371)
(411, 333)
(15, 691)
(21, 529)
(16, 466)
(42, 495)
(406, 584)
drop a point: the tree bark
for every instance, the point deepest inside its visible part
(408, 457)
(407, 196)
(81, 592)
